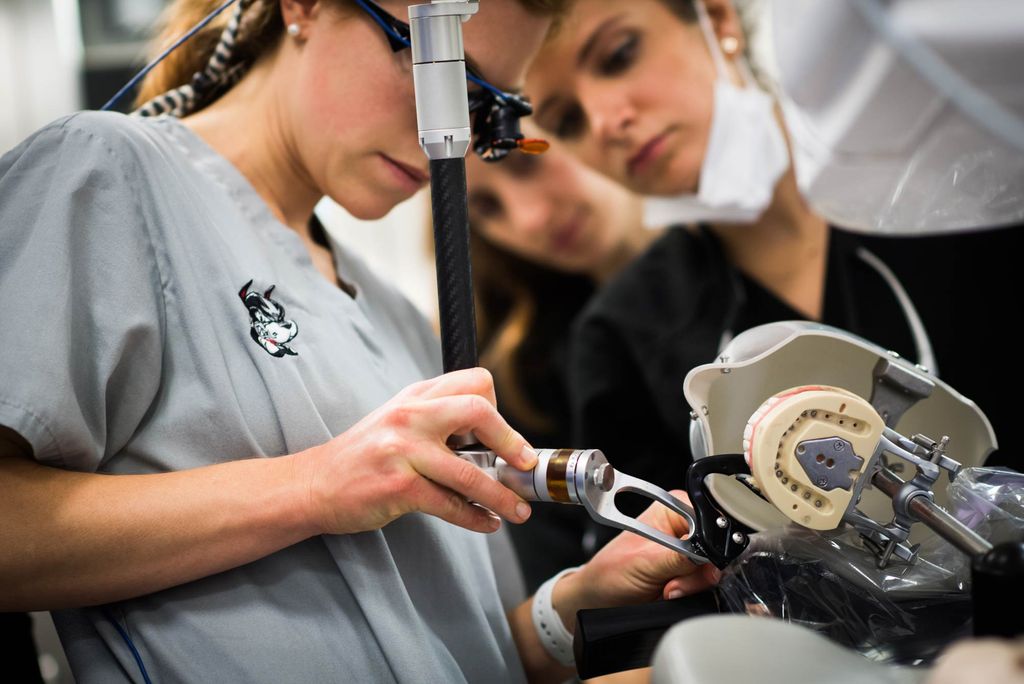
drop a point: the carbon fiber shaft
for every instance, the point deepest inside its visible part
(454, 272)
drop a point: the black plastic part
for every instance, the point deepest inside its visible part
(454, 273)
(611, 640)
(997, 578)
(711, 541)
(496, 123)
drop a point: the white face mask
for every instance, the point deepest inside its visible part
(745, 156)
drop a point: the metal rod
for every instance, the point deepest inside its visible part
(936, 518)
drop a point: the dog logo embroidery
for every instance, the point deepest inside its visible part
(268, 326)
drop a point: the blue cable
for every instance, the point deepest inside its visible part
(149, 67)
(388, 29)
(498, 93)
(128, 639)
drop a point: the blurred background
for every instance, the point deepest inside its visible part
(60, 56)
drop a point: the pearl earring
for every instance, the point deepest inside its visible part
(293, 30)
(730, 44)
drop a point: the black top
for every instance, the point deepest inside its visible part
(671, 309)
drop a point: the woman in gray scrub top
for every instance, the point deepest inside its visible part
(220, 458)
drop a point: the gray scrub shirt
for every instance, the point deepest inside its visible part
(130, 348)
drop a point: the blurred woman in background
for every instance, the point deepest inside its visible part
(546, 233)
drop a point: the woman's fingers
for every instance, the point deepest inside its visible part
(473, 413)
(451, 507)
(660, 516)
(469, 381)
(465, 479)
(705, 577)
(687, 578)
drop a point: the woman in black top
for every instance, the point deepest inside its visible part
(632, 90)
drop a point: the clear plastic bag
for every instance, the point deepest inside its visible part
(830, 581)
(990, 501)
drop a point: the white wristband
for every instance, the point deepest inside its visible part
(556, 638)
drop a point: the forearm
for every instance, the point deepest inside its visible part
(539, 666)
(628, 571)
(567, 598)
(73, 539)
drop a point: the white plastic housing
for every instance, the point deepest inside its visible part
(768, 359)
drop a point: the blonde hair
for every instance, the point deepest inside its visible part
(524, 311)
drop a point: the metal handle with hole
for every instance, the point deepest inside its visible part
(585, 478)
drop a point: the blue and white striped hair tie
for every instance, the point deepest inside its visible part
(220, 73)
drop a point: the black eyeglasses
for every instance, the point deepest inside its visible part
(496, 129)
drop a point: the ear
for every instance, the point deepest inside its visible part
(299, 12)
(726, 22)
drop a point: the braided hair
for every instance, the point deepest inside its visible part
(220, 73)
(214, 59)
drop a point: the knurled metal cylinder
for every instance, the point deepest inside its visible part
(442, 109)
(436, 38)
(519, 481)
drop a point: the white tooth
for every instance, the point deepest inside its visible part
(746, 445)
(748, 430)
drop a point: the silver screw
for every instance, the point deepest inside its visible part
(722, 522)
(693, 415)
(837, 445)
(604, 477)
(738, 537)
(800, 449)
(822, 481)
